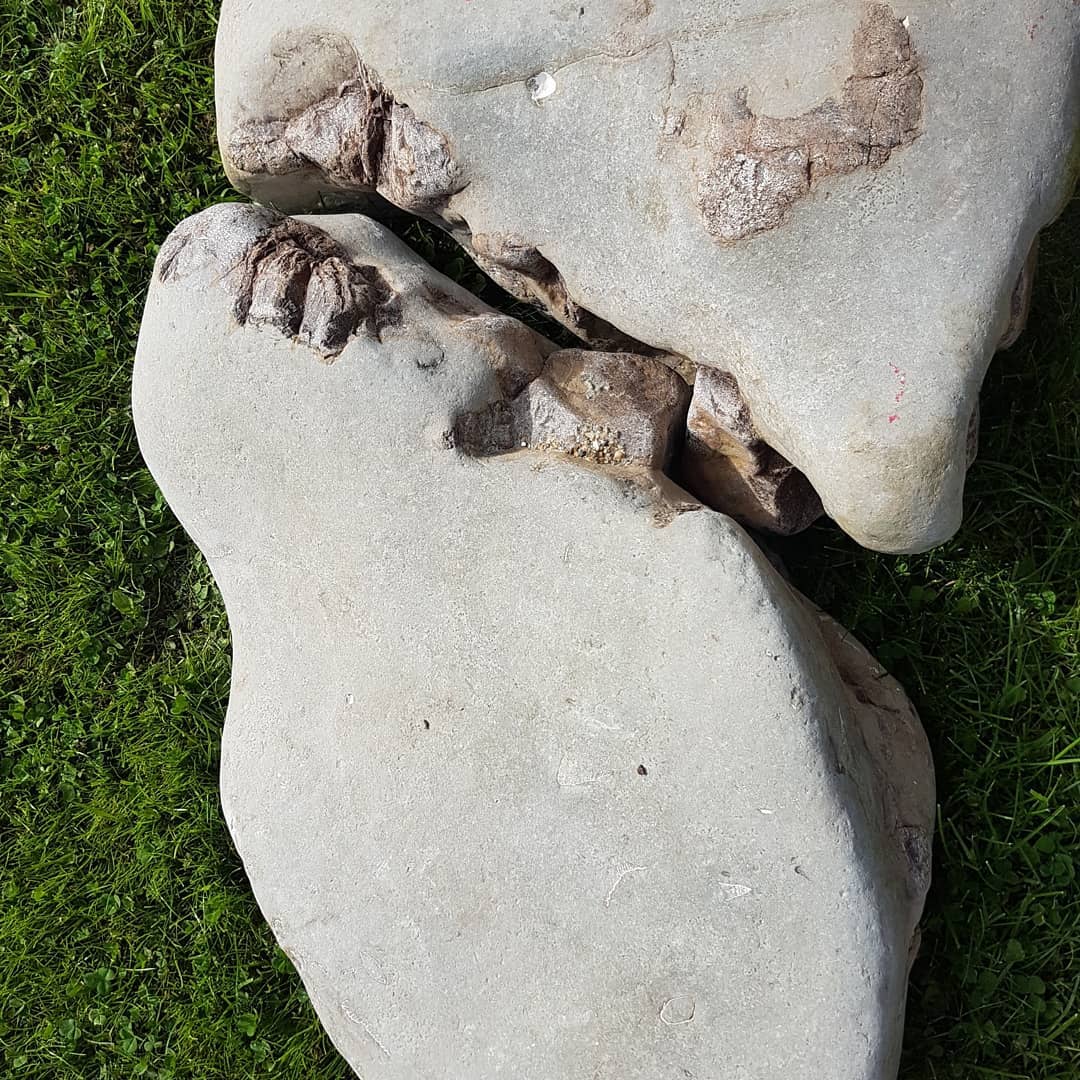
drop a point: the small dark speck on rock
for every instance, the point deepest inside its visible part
(427, 725)
(642, 771)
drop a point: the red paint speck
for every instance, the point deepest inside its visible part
(898, 397)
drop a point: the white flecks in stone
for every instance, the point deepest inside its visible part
(541, 86)
(730, 891)
(678, 1010)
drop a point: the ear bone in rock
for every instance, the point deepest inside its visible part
(609, 409)
(763, 165)
(361, 140)
(729, 466)
(297, 280)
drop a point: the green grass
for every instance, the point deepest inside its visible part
(129, 941)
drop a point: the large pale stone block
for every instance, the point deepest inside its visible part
(537, 768)
(832, 202)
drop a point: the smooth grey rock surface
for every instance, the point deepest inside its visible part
(833, 201)
(533, 775)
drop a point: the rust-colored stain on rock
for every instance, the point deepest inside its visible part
(762, 165)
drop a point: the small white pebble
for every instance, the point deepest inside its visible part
(541, 85)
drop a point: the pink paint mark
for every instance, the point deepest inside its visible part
(898, 397)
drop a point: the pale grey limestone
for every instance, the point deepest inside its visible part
(537, 768)
(832, 201)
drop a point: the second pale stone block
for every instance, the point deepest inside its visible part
(537, 768)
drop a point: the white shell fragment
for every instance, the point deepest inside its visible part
(541, 86)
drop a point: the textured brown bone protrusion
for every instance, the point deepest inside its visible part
(360, 139)
(299, 280)
(729, 467)
(762, 165)
(296, 279)
(612, 409)
(278, 289)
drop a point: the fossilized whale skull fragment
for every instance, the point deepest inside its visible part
(537, 767)
(831, 203)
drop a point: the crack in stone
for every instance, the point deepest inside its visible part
(513, 80)
(525, 272)
(686, 37)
